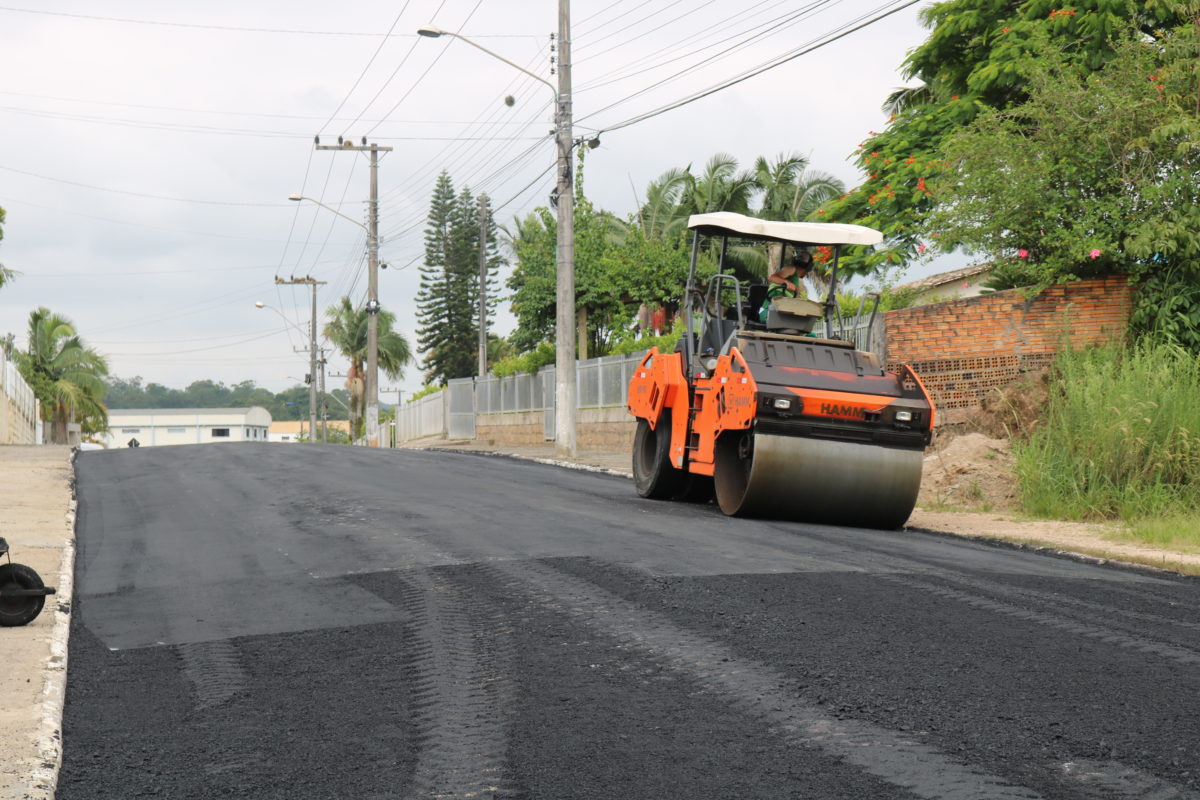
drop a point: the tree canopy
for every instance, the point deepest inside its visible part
(622, 264)
(65, 374)
(1095, 173)
(347, 329)
(980, 55)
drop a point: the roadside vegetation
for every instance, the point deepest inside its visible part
(1119, 439)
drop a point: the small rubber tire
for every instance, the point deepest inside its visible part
(16, 611)
(654, 476)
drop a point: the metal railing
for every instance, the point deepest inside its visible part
(600, 383)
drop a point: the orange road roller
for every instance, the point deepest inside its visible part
(767, 402)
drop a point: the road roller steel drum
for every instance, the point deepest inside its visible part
(767, 403)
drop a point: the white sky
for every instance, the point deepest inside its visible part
(145, 168)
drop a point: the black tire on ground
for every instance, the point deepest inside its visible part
(16, 611)
(653, 475)
(696, 489)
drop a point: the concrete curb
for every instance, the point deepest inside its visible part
(49, 739)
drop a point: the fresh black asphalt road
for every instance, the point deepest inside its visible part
(282, 621)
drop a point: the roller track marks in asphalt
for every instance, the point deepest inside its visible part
(1091, 620)
(215, 670)
(898, 758)
(1104, 633)
(461, 693)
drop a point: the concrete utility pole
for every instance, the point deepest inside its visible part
(324, 401)
(372, 377)
(564, 202)
(483, 254)
(564, 322)
(312, 352)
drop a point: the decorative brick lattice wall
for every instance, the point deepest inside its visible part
(964, 348)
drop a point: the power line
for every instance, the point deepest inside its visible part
(143, 194)
(421, 77)
(746, 76)
(370, 61)
(201, 26)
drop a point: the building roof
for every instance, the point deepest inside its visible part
(942, 278)
(183, 412)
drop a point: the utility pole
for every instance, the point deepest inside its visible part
(483, 254)
(393, 442)
(372, 376)
(312, 351)
(324, 402)
(564, 324)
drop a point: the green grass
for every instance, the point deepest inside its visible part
(1120, 438)
(1178, 532)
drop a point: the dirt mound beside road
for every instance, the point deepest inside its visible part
(971, 471)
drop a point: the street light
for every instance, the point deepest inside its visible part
(372, 307)
(564, 335)
(312, 362)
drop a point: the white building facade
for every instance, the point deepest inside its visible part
(157, 427)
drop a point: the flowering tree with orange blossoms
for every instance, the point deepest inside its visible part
(1096, 173)
(980, 56)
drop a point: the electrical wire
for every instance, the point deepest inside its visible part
(201, 26)
(143, 194)
(370, 61)
(804, 50)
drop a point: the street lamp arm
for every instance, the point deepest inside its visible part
(298, 197)
(434, 33)
(282, 316)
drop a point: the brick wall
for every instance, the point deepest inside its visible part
(963, 348)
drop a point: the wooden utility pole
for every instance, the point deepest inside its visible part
(312, 352)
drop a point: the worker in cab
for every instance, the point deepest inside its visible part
(787, 280)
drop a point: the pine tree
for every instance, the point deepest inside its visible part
(447, 303)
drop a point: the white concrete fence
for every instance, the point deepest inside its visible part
(20, 421)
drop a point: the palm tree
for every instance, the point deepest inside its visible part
(793, 193)
(719, 188)
(347, 330)
(65, 375)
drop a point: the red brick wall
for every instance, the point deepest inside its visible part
(962, 348)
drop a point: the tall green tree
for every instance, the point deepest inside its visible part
(447, 302)
(1095, 173)
(346, 328)
(65, 374)
(980, 55)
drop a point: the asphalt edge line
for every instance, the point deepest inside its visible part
(989, 541)
(50, 739)
(1053, 552)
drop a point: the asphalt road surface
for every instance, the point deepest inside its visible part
(260, 621)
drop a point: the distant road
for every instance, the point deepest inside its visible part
(294, 621)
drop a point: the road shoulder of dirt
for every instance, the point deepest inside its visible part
(1091, 541)
(39, 524)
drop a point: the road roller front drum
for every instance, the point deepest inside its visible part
(816, 480)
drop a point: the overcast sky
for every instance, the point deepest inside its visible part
(147, 149)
